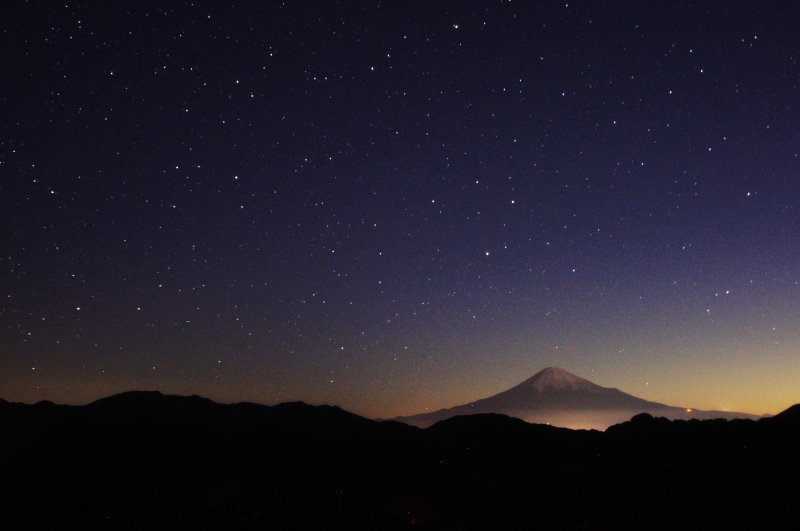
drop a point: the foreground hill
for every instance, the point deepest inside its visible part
(556, 397)
(149, 461)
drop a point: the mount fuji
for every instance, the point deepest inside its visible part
(559, 398)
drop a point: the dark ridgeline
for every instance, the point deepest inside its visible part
(557, 397)
(142, 460)
(791, 415)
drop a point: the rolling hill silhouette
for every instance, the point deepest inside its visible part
(559, 398)
(144, 460)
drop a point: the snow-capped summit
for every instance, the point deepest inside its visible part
(557, 378)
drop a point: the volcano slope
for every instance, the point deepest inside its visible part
(559, 398)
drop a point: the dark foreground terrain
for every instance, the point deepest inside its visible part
(149, 461)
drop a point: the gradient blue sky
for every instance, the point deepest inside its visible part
(395, 207)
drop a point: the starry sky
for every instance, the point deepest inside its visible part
(396, 207)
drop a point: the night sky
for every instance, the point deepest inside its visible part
(396, 207)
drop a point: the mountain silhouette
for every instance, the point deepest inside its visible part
(145, 460)
(323, 420)
(24, 422)
(791, 415)
(557, 397)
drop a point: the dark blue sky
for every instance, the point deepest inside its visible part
(394, 206)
